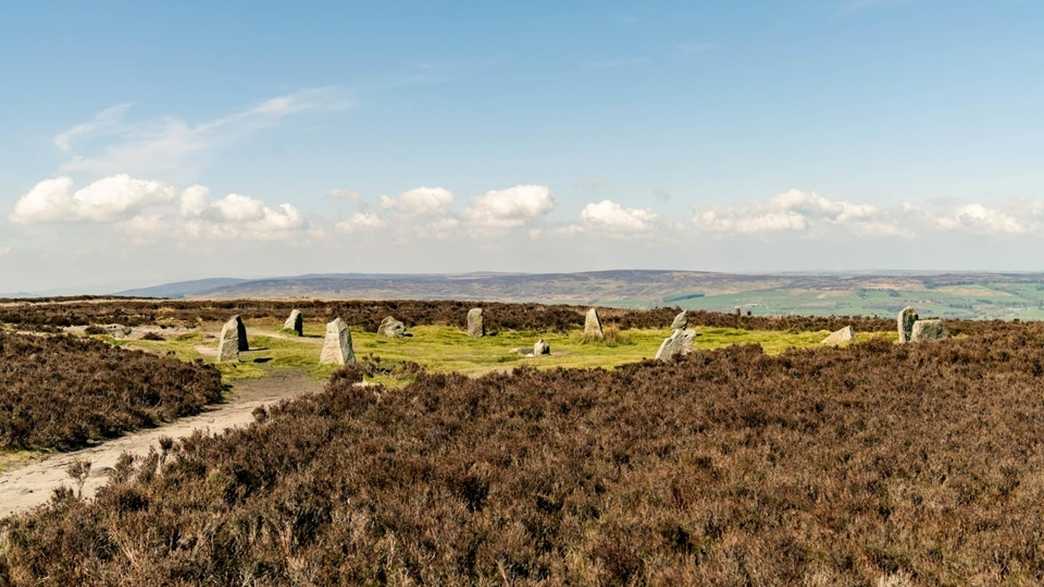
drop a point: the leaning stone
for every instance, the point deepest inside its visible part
(593, 325)
(840, 338)
(475, 323)
(541, 348)
(391, 328)
(924, 330)
(233, 339)
(295, 323)
(337, 347)
(905, 322)
(678, 343)
(681, 321)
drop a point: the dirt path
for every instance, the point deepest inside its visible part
(26, 487)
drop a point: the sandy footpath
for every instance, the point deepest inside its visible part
(26, 487)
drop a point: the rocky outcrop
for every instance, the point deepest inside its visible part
(391, 328)
(593, 325)
(475, 323)
(840, 338)
(337, 347)
(232, 341)
(295, 323)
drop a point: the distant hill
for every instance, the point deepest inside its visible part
(969, 295)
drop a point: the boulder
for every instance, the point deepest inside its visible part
(924, 330)
(681, 321)
(840, 338)
(295, 323)
(232, 340)
(905, 322)
(391, 327)
(541, 348)
(475, 325)
(337, 347)
(678, 343)
(593, 325)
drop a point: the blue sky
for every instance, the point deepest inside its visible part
(538, 136)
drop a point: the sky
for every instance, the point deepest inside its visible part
(146, 142)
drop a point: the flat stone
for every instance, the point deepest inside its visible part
(928, 330)
(678, 343)
(593, 324)
(391, 327)
(295, 323)
(840, 337)
(232, 340)
(337, 346)
(904, 322)
(476, 328)
(681, 321)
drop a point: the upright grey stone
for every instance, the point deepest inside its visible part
(295, 323)
(905, 322)
(841, 337)
(678, 343)
(541, 348)
(391, 327)
(337, 347)
(681, 321)
(232, 340)
(593, 325)
(924, 330)
(475, 324)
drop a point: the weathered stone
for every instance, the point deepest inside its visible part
(541, 347)
(337, 347)
(232, 340)
(905, 322)
(391, 327)
(841, 337)
(295, 323)
(681, 321)
(924, 330)
(678, 343)
(475, 323)
(593, 325)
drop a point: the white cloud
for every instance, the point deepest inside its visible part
(979, 218)
(609, 216)
(107, 200)
(510, 208)
(241, 217)
(422, 201)
(5, 251)
(361, 222)
(344, 194)
(746, 222)
(793, 211)
(105, 121)
(194, 200)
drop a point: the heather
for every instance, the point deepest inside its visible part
(64, 392)
(914, 464)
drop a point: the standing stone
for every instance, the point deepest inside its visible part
(840, 338)
(337, 347)
(541, 348)
(592, 325)
(391, 327)
(928, 330)
(678, 343)
(475, 325)
(295, 323)
(232, 340)
(905, 322)
(680, 321)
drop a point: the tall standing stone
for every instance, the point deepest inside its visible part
(295, 323)
(678, 343)
(681, 321)
(905, 322)
(593, 325)
(232, 340)
(391, 327)
(840, 337)
(924, 330)
(475, 323)
(337, 347)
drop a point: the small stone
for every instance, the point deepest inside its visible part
(678, 343)
(475, 323)
(927, 330)
(295, 323)
(232, 340)
(337, 346)
(541, 348)
(391, 327)
(681, 321)
(905, 322)
(840, 338)
(593, 325)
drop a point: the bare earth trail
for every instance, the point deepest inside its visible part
(29, 486)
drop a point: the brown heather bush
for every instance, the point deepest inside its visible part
(915, 464)
(63, 392)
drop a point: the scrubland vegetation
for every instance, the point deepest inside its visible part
(914, 464)
(63, 392)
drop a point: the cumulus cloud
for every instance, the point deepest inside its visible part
(510, 208)
(242, 217)
(609, 216)
(107, 200)
(981, 219)
(422, 201)
(194, 200)
(361, 222)
(792, 211)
